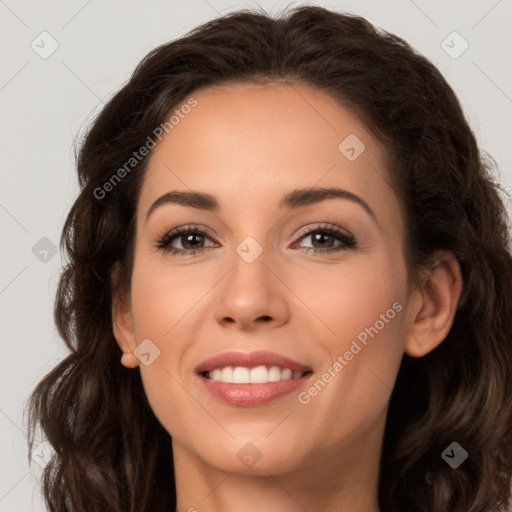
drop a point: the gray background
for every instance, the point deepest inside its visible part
(46, 102)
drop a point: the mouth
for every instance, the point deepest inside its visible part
(251, 379)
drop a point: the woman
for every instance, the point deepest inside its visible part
(289, 284)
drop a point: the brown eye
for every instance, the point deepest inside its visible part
(323, 239)
(191, 240)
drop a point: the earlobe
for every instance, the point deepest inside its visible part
(129, 360)
(122, 326)
(435, 305)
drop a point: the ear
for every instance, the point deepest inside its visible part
(122, 321)
(434, 305)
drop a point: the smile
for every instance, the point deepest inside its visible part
(249, 379)
(257, 375)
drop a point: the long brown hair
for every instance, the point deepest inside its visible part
(111, 453)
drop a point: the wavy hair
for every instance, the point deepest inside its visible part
(111, 452)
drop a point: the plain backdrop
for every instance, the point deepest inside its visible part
(61, 61)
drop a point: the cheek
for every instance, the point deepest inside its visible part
(168, 308)
(364, 309)
(164, 298)
(357, 297)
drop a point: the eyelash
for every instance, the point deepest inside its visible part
(349, 241)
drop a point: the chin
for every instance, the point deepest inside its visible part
(254, 455)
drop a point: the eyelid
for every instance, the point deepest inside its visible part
(187, 227)
(307, 230)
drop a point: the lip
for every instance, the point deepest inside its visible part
(251, 395)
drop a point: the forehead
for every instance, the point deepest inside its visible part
(259, 140)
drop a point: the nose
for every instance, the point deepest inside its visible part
(253, 295)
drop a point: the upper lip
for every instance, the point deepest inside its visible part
(250, 360)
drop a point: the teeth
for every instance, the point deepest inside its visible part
(286, 374)
(241, 375)
(257, 375)
(226, 374)
(274, 374)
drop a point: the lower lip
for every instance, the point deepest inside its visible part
(250, 395)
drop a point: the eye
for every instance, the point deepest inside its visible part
(325, 236)
(189, 237)
(192, 240)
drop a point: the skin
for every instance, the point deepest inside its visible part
(249, 145)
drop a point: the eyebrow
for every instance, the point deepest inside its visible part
(293, 200)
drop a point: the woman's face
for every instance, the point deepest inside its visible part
(255, 283)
